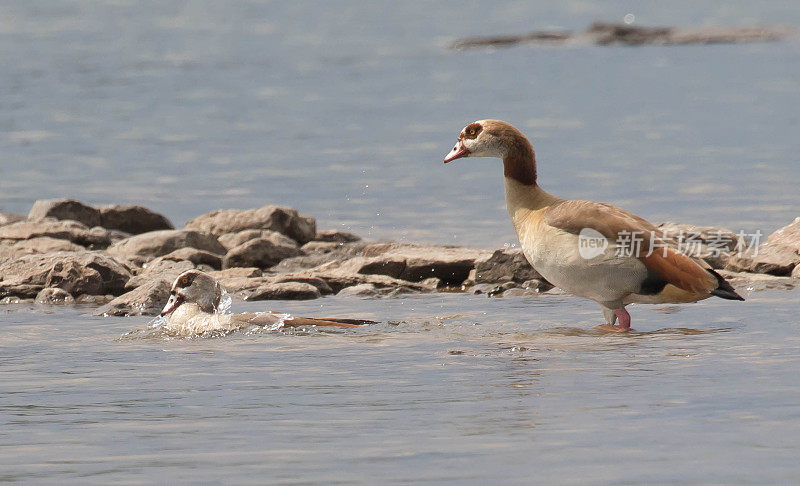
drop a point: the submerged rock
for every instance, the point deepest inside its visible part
(54, 296)
(132, 219)
(287, 221)
(62, 209)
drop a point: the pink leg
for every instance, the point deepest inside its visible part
(624, 319)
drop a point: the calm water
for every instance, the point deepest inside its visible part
(345, 110)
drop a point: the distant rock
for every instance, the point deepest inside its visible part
(606, 34)
(259, 252)
(287, 221)
(8, 218)
(147, 300)
(74, 231)
(54, 296)
(132, 219)
(65, 209)
(195, 256)
(147, 246)
(450, 264)
(83, 272)
(283, 291)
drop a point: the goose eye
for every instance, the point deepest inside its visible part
(185, 281)
(471, 132)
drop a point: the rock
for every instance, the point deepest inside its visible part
(317, 282)
(259, 252)
(159, 269)
(197, 257)
(146, 246)
(520, 292)
(232, 240)
(237, 272)
(712, 244)
(39, 245)
(796, 272)
(283, 291)
(8, 218)
(360, 290)
(769, 259)
(147, 300)
(65, 209)
(539, 285)
(605, 34)
(336, 236)
(78, 272)
(339, 275)
(493, 290)
(93, 300)
(287, 221)
(78, 233)
(319, 253)
(132, 219)
(54, 296)
(15, 300)
(755, 282)
(506, 265)
(450, 264)
(788, 236)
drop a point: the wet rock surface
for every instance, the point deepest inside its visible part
(275, 253)
(606, 34)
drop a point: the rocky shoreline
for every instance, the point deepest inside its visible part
(607, 34)
(123, 259)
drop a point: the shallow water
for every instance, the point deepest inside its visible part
(460, 388)
(345, 110)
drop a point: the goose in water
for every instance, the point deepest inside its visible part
(551, 231)
(194, 308)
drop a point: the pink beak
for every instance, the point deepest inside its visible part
(458, 151)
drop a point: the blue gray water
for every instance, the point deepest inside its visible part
(345, 110)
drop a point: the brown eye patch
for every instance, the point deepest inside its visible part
(472, 130)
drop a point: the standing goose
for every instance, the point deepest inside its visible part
(194, 304)
(550, 230)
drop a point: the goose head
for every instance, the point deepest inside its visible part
(194, 287)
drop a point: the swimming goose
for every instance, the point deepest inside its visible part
(612, 271)
(194, 304)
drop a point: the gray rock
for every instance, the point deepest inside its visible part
(147, 300)
(336, 236)
(320, 253)
(61, 209)
(714, 245)
(751, 282)
(232, 240)
(283, 291)
(8, 218)
(159, 269)
(283, 220)
(83, 272)
(317, 282)
(770, 259)
(132, 219)
(54, 296)
(259, 252)
(450, 264)
(197, 257)
(339, 275)
(147, 246)
(38, 245)
(360, 290)
(78, 233)
(506, 265)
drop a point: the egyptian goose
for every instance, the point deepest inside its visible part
(550, 230)
(194, 308)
